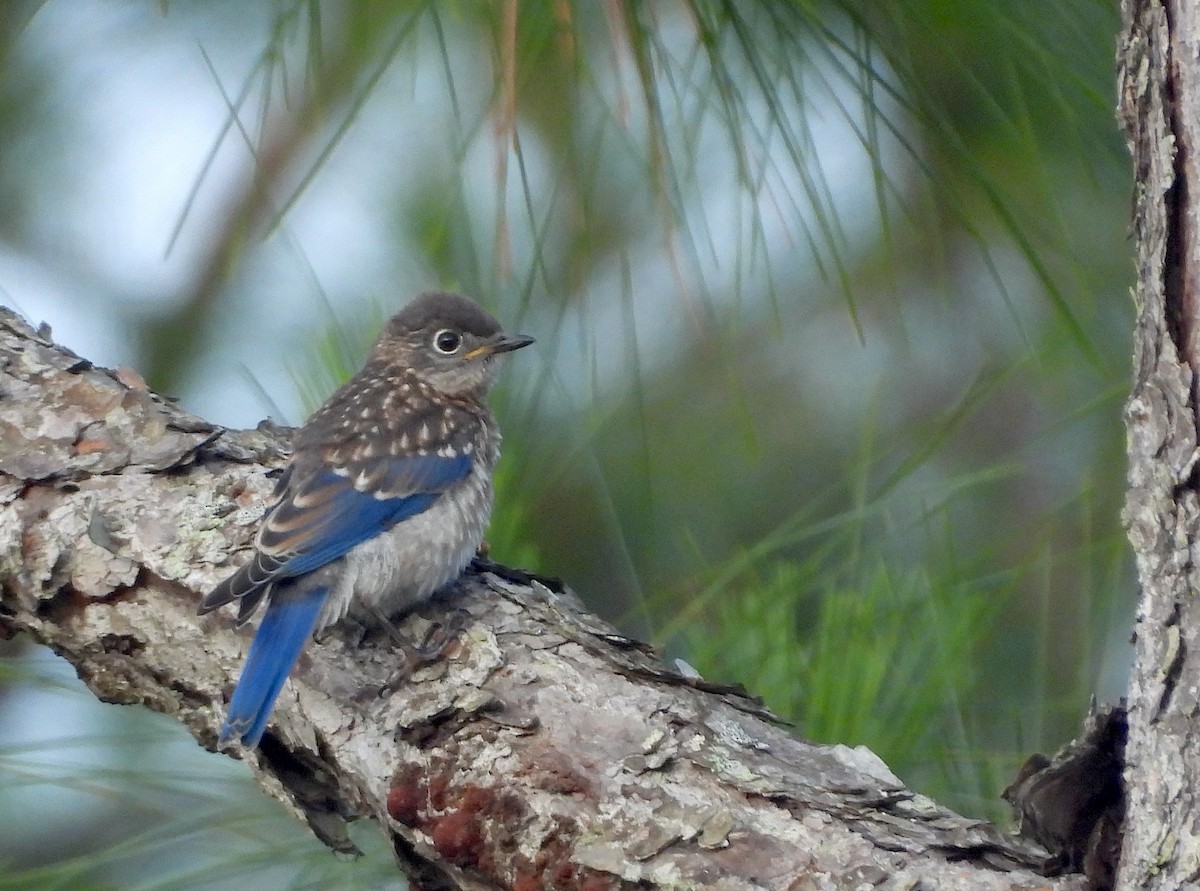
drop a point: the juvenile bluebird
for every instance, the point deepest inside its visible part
(384, 501)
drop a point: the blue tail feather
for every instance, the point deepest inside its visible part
(285, 628)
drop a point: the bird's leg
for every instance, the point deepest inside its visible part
(380, 619)
(438, 639)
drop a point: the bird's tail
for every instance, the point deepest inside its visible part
(286, 626)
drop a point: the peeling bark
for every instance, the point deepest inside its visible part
(1074, 803)
(541, 750)
(1159, 84)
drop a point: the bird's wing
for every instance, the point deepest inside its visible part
(328, 508)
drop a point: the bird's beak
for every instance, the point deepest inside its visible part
(501, 343)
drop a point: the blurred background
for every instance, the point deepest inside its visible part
(831, 301)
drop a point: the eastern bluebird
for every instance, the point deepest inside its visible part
(384, 501)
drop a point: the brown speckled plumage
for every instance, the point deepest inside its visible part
(388, 492)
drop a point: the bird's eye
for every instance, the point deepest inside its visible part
(447, 342)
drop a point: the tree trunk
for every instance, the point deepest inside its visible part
(541, 750)
(1159, 82)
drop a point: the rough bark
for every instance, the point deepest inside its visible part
(541, 750)
(1159, 84)
(1074, 803)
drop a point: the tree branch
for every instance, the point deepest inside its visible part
(541, 750)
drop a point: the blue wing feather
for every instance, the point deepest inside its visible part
(424, 473)
(321, 515)
(326, 516)
(359, 517)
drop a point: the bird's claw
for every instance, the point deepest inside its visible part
(438, 640)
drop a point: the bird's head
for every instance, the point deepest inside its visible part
(449, 341)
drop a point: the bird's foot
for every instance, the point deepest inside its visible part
(439, 639)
